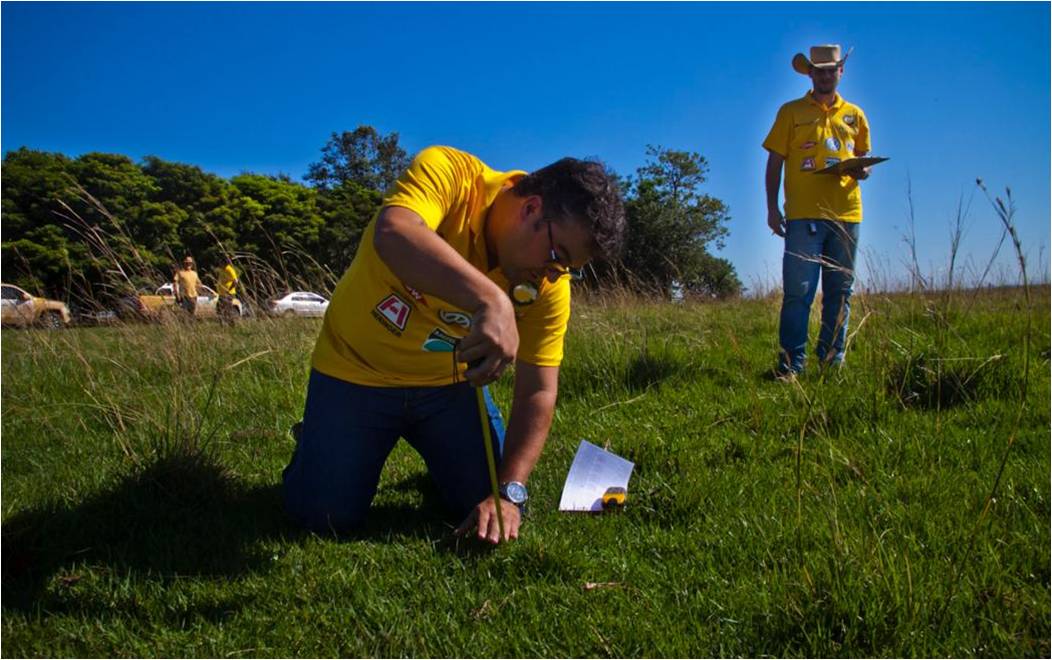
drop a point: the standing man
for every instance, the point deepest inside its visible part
(429, 292)
(226, 288)
(185, 285)
(822, 212)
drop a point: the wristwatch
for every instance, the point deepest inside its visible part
(516, 493)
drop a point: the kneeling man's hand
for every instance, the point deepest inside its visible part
(484, 518)
(492, 342)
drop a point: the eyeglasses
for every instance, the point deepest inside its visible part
(554, 263)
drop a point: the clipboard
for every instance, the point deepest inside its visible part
(851, 164)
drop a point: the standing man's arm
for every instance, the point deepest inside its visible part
(773, 180)
(532, 407)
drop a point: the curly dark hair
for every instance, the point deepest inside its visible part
(585, 191)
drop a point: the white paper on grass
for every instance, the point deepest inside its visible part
(593, 471)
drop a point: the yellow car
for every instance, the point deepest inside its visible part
(162, 302)
(24, 310)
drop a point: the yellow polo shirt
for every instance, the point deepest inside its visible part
(380, 332)
(811, 136)
(227, 281)
(187, 282)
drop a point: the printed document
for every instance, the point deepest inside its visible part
(592, 472)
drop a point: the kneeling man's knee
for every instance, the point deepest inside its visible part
(319, 509)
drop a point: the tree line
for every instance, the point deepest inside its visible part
(95, 226)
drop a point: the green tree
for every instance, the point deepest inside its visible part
(362, 156)
(39, 250)
(207, 222)
(280, 223)
(672, 224)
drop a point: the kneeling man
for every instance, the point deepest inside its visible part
(463, 265)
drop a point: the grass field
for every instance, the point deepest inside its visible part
(845, 514)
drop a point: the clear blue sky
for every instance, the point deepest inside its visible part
(953, 92)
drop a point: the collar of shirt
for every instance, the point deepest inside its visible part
(837, 101)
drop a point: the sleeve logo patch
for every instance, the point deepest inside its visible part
(849, 119)
(393, 313)
(455, 318)
(439, 342)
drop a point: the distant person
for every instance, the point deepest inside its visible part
(822, 212)
(185, 285)
(429, 292)
(226, 288)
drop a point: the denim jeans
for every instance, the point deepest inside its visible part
(814, 247)
(349, 430)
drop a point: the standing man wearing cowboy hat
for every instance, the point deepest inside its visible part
(822, 212)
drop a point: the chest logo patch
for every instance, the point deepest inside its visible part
(832, 161)
(833, 144)
(455, 318)
(393, 313)
(807, 145)
(439, 342)
(807, 165)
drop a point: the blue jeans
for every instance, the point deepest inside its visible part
(812, 247)
(349, 430)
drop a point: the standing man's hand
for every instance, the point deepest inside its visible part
(492, 343)
(484, 518)
(776, 222)
(858, 174)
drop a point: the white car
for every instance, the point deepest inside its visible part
(299, 303)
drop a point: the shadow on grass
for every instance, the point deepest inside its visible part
(429, 521)
(929, 382)
(612, 374)
(184, 515)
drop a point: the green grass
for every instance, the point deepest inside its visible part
(840, 515)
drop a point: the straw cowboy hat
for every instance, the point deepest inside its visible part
(822, 57)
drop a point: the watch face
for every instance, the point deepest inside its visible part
(515, 492)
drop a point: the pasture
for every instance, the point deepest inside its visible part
(898, 507)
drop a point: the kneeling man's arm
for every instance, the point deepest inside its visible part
(532, 407)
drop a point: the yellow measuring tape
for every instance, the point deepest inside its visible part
(491, 462)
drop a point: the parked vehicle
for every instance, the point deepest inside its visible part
(162, 302)
(22, 309)
(299, 303)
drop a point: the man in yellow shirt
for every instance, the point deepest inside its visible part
(822, 211)
(427, 304)
(184, 286)
(226, 288)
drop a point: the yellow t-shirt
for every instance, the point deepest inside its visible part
(379, 332)
(186, 283)
(810, 137)
(227, 281)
